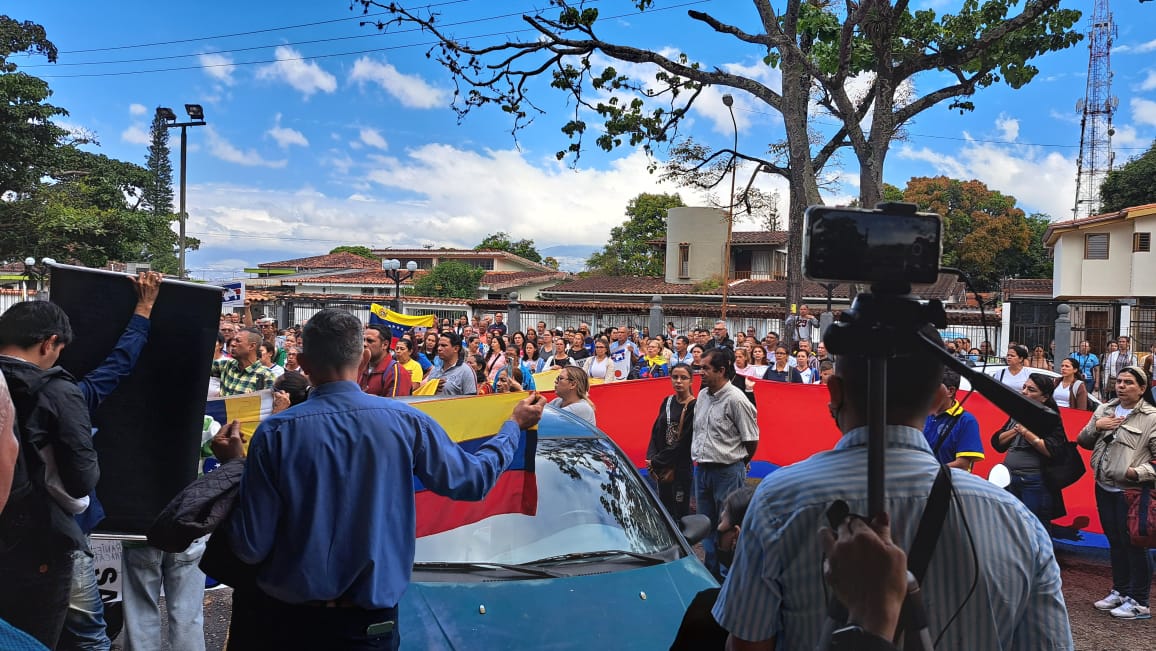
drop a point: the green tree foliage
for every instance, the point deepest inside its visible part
(1132, 184)
(551, 261)
(29, 139)
(62, 201)
(858, 61)
(629, 251)
(450, 279)
(984, 233)
(363, 251)
(157, 198)
(501, 241)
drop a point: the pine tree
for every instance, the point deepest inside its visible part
(158, 195)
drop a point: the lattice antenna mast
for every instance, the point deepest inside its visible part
(1096, 110)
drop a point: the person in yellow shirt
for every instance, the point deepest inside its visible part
(403, 353)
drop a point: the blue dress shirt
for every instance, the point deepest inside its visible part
(326, 503)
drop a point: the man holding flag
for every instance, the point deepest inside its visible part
(334, 583)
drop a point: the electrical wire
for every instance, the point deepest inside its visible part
(336, 54)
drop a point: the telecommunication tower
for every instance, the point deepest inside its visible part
(1096, 110)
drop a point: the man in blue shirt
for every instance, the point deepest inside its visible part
(1089, 365)
(952, 433)
(325, 509)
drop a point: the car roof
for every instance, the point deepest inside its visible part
(556, 423)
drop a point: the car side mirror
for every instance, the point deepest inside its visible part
(695, 528)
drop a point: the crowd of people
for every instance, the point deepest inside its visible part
(327, 373)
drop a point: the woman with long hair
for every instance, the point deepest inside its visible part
(599, 365)
(572, 386)
(530, 355)
(803, 365)
(759, 356)
(517, 341)
(495, 357)
(532, 336)
(668, 461)
(782, 370)
(1071, 390)
(475, 362)
(1039, 358)
(696, 356)
(1122, 437)
(1028, 452)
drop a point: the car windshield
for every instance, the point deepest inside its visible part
(582, 496)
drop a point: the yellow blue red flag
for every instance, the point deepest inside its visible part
(398, 323)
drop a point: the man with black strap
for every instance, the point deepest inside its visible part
(384, 376)
(774, 597)
(953, 433)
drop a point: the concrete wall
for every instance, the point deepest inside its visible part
(1124, 274)
(705, 230)
(1144, 264)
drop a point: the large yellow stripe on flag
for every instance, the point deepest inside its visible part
(428, 388)
(249, 408)
(408, 320)
(471, 417)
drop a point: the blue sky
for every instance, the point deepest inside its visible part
(322, 132)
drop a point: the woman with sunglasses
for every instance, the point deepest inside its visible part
(1122, 437)
(1028, 452)
(599, 365)
(572, 386)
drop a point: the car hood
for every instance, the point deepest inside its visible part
(640, 608)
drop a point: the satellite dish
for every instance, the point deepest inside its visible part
(999, 475)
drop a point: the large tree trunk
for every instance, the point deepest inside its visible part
(804, 187)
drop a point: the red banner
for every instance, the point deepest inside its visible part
(794, 423)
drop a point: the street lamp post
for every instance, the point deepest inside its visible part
(39, 271)
(730, 102)
(392, 269)
(196, 119)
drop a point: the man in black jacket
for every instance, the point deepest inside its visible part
(55, 471)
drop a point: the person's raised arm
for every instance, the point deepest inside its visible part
(247, 315)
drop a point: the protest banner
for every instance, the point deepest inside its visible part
(232, 295)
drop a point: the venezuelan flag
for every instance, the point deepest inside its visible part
(471, 422)
(249, 408)
(398, 324)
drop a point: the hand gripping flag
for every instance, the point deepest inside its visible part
(398, 324)
(471, 422)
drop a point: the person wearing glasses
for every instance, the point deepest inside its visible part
(572, 386)
(781, 369)
(599, 365)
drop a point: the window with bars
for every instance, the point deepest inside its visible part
(1141, 242)
(1096, 246)
(684, 260)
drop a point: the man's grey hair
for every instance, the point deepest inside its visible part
(333, 339)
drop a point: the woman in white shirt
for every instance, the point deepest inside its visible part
(572, 387)
(599, 365)
(1071, 391)
(803, 364)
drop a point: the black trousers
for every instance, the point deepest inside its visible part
(34, 597)
(291, 627)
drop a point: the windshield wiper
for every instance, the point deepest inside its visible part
(480, 565)
(651, 559)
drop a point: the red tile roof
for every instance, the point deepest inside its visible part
(458, 254)
(1058, 227)
(491, 279)
(947, 287)
(343, 260)
(776, 238)
(1013, 287)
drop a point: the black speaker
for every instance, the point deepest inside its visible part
(149, 429)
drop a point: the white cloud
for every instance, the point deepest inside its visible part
(1143, 111)
(411, 90)
(228, 152)
(1039, 180)
(1009, 128)
(137, 109)
(285, 136)
(135, 135)
(373, 138)
(218, 66)
(1149, 82)
(305, 76)
(1149, 46)
(1127, 136)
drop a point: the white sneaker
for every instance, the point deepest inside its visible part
(1113, 600)
(1131, 610)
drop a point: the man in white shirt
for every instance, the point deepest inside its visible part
(1115, 362)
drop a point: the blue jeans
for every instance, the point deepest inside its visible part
(1131, 565)
(145, 568)
(84, 627)
(1030, 490)
(712, 484)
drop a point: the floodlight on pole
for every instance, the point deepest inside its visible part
(196, 119)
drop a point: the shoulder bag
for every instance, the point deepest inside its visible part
(1065, 468)
(1142, 515)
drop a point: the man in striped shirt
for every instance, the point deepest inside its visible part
(774, 595)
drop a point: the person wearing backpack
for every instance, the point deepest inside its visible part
(55, 470)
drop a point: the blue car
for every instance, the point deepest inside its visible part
(584, 557)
